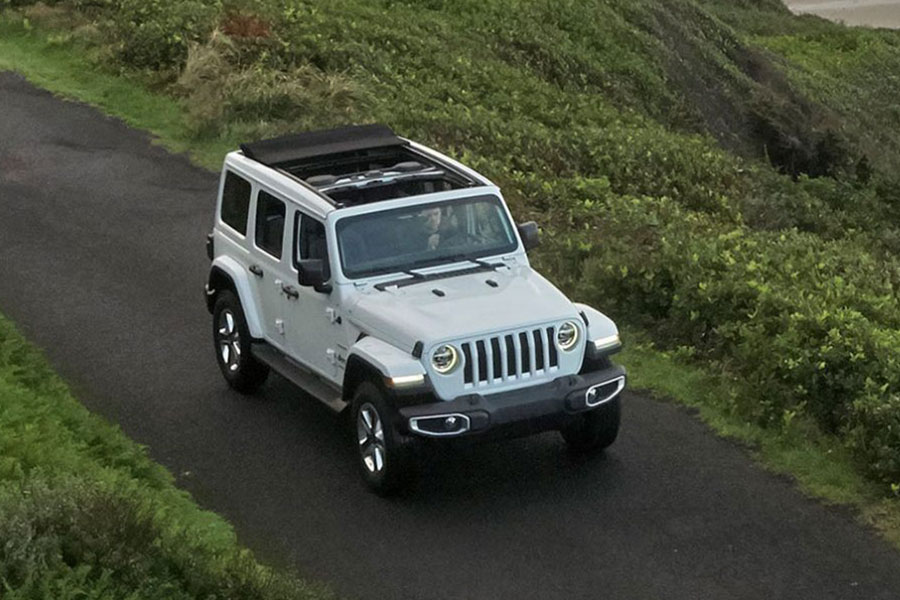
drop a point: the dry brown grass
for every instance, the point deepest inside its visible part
(257, 100)
(57, 16)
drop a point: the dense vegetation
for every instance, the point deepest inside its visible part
(84, 513)
(717, 173)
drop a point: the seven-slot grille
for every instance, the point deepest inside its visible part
(510, 356)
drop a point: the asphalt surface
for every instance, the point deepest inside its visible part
(102, 264)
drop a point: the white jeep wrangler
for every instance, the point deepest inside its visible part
(380, 275)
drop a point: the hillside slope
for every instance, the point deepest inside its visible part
(718, 173)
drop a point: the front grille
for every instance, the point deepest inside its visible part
(509, 357)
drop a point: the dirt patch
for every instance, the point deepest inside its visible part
(245, 26)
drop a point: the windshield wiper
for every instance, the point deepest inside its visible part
(480, 267)
(445, 260)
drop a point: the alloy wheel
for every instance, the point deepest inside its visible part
(370, 433)
(229, 340)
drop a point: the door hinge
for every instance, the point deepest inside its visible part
(333, 316)
(332, 356)
(279, 326)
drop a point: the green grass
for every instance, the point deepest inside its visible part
(648, 175)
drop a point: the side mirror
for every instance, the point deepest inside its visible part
(313, 272)
(529, 233)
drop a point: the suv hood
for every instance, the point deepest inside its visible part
(469, 307)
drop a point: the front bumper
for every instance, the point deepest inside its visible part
(518, 412)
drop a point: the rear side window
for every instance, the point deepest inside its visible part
(236, 202)
(269, 223)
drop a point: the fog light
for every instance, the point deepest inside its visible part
(440, 425)
(604, 392)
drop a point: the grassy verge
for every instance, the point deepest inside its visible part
(84, 513)
(55, 63)
(820, 463)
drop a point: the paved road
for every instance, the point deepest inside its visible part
(102, 263)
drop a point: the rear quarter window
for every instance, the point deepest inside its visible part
(236, 202)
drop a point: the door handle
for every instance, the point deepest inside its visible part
(256, 270)
(290, 292)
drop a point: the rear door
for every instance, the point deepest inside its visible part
(270, 263)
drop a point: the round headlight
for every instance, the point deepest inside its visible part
(444, 359)
(567, 335)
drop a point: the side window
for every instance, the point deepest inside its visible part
(236, 202)
(311, 241)
(269, 223)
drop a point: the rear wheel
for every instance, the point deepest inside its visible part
(386, 457)
(232, 343)
(595, 430)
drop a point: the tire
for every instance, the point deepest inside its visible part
(386, 457)
(595, 430)
(231, 339)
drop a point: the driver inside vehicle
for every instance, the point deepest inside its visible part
(431, 226)
(440, 228)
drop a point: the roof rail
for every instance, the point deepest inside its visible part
(287, 149)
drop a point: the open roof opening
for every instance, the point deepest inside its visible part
(357, 164)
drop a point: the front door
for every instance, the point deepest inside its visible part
(314, 327)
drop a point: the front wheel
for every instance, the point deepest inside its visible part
(386, 458)
(596, 429)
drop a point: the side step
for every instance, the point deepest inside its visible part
(306, 380)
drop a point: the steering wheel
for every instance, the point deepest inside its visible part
(462, 236)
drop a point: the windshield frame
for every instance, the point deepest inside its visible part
(452, 198)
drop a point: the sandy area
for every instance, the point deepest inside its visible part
(876, 13)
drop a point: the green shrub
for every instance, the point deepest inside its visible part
(155, 34)
(874, 431)
(810, 324)
(71, 538)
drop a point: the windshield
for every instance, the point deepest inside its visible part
(421, 236)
